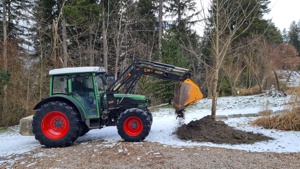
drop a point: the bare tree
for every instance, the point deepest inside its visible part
(283, 57)
(119, 34)
(160, 29)
(104, 36)
(255, 56)
(64, 43)
(233, 69)
(227, 25)
(55, 36)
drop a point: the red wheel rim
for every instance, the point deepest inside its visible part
(55, 125)
(133, 126)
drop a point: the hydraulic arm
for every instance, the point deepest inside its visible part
(132, 74)
(186, 92)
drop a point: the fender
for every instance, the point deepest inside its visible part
(61, 98)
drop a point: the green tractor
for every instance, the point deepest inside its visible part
(85, 98)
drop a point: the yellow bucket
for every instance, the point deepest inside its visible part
(186, 93)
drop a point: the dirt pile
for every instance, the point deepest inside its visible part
(209, 130)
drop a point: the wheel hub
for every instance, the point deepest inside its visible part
(58, 123)
(133, 125)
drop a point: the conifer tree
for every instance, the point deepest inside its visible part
(294, 35)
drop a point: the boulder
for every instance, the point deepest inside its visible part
(25, 126)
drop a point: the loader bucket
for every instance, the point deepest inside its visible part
(186, 93)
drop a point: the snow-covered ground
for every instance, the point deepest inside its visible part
(165, 123)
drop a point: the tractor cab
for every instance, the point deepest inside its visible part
(82, 86)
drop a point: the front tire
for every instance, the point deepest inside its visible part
(134, 125)
(56, 124)
(150, 116)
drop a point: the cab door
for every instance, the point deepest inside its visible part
(100, 86)
(84, 92)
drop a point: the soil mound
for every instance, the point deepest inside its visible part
(210, 130)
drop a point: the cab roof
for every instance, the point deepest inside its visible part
(71, 70)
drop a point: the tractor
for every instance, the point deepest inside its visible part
(85, 98)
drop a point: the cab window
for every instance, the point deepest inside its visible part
(82, 84)
(60, 85)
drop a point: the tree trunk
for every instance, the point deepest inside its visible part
(55, 36)
(41, 67)
(287, 80)
(28, 92)
(54, 43)
(90, 48)
(117, 57)
(104, 35)
(4, 105)
(215, 77)
(277, 80)
(160, 29)
(215, 88)
(120, 34)
(65, 45)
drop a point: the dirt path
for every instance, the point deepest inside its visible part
(101, 154)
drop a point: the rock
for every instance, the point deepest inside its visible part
(235, 115)
(221, 117)
(25, 127)
(250, 115)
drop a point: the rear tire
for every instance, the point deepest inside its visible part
(56, 124)
(134, 125)
(84, 129)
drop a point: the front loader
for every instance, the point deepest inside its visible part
(81, 99)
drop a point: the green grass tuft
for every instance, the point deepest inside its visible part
(3, 129)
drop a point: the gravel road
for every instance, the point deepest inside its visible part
(102, 154)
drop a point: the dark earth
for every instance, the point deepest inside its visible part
(209, 130)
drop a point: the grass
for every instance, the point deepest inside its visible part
(8, 129)
(3, 129)
(289, 120)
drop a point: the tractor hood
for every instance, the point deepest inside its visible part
(128, 101)
(130, 96)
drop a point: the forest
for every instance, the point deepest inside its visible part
(228, 46)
